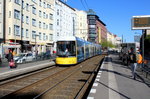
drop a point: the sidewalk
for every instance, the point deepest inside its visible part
(6, 72)
(114, 82)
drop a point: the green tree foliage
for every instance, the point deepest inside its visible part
(106, 44)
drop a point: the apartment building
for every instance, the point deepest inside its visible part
(81, 25)
(29, 23)
(97, 29)
(64, 22)
(101, 31)
(1, 21)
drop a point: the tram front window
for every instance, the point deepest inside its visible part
(66, 48)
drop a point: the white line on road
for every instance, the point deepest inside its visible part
(90, 97)
(93, 91)
(95, 84)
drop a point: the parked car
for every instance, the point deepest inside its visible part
(24, 57)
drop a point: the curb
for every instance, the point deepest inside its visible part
(16, 72)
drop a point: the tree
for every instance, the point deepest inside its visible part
(106, 44)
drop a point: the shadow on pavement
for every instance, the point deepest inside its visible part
(140, 78)
(113, 90)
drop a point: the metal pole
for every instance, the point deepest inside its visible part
(35, 42)
(143, 32)
(122, 38)
(21, 28)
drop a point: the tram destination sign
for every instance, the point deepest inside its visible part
(141, 22)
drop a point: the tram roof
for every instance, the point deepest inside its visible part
(66, 38)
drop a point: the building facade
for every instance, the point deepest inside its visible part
(97, 29)
(2, 21)
(101, 31)
(81, 29)
(64, 22)
(29, 23)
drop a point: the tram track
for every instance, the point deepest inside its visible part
(64, 83)
(12, 85)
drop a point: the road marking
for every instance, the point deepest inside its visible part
(97, 79)
(98, 76)
(93, 91)
(95, 84)
(90, 97)
(99, 73)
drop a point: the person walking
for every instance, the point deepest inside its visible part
(133, 62)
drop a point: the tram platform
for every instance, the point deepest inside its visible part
(7, 72)
(114, 81)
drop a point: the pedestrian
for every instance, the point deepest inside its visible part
(9, 56)
(140, 59)
(133, 62)
(10, 59)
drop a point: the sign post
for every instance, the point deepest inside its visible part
(141, 23)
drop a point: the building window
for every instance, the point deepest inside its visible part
(22, 18)
(17, 2)
(33, 34)
(27, 6)
(44, 37)
(43, 25)
(9, 30)
(51, 37)
(9, 14)
(40, 13)
(44, 15)
(57, 21)
(40, 36)
(17, 30)
(16, 14)
(33, 22)
(40, 24)
(48, 6)
(57, 33)
(50, 26)
(57, 11)
(51, 16)
(22, 4)
(34, 10)
(40, 3)
(27, 33)
(46, 26)
(27, 19)
(44, 4)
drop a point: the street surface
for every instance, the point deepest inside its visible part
(114, 81)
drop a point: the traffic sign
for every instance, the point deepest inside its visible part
(141, 22)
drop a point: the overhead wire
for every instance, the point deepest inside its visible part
(86, 4)
(83, 4)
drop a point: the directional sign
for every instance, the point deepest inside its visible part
(141, 22)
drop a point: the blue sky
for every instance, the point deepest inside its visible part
(116, 14)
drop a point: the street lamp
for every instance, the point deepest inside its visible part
(22, 8)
